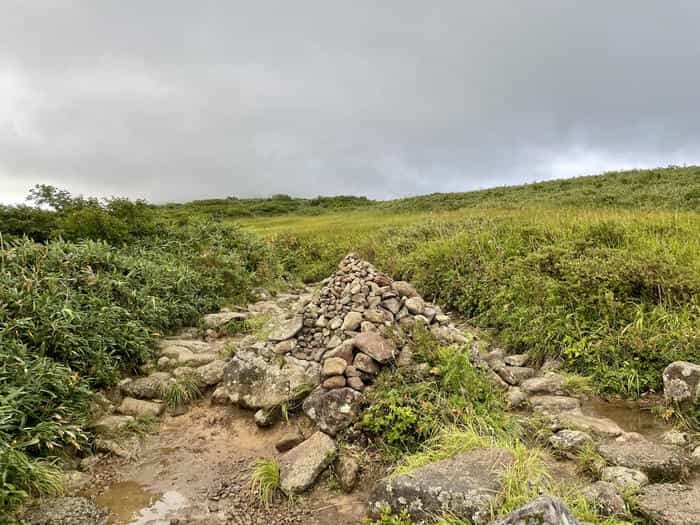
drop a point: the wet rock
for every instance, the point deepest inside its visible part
(333, 410)
(138, 407)
(289, 440)
(300, 466)
(347, 470)
(670, 504)
(65, 511)
(554, 404)
(658, 462)
(334, 366)
(213, 373)
(111, 424)
(550, 383)
(596, 426)
(377, 347)
(603, 496)
(464, 486)
(149, 387)
(569, 442)
(681, 380)
(221, 319)
(253, 382)
(517, 359)
(545, 510)
(287, 330)
(624, 478)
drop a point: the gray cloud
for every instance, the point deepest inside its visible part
(179, 100)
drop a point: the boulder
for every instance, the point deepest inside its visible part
(415, 305)
(596, 426)
(366, 364)
(624, 478)
(287, 329)
(670, 504)
(603, 496)
(554, 404)
(569, 442)
(212, 373)
(464, 486)
(333, 410)
(300, 466)
(138, 407)
(347, 470)
(253, 382)
(377, 347)
(65, 511)
(550, 383)
(658, 462)
(681, 380)
(111, 424)
(149, 387)
(220, 319)
(545, 510)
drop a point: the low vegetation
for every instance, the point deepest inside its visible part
(265, 479)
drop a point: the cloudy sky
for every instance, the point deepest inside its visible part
(176, 100)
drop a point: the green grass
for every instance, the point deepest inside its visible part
(181, 391)
(265, 479)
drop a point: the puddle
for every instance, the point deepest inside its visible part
(629, 415)
(130, 503)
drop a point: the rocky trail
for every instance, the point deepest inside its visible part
(294, 389)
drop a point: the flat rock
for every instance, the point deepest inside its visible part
(65, 511)
(624, 478)
(604, 497)
(554, 404)
(377, 347)
(220, 319)
(138, 407)
(545, 510)
(670, 504)
(658, 462)
(598, 426)
(569, 442)
(149, 387)
(111, 424)
(212, 373)
(334, 366)
(464, 486)
(514, 375)
(300, 466)
(517, 359)
(253, 382)
(550, 383)
(287, 329)
(333, 410)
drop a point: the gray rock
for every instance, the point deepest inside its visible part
(253, 382)
(569, 442)
(392, 305)
(356, 383)
(220, 319)
(415, 305)
(603, 496)
(351, 322)
(138, 407)
(366, 364)
(289, 440)
(550, 383)
(333, 382)
(111, 424)
(377, 347)
(514, 375)
(675, 438)
(554, 404)
(658, 462)
(375, 315)
(464, 486)
(65, 511)
(343, 351)
(405, 289)
(300, 466)
(333, 410)
(515, 398)
(149, 387)
(545, 510)
(597, 426)
(681, 380)
(670, 504)
(624, 478)
(219, 396)
(347, 470)
(517, 359)
(110, 446)
(287, 330)
(212, 373)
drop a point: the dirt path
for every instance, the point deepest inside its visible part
(196, 469)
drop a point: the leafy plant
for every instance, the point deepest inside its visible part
(265, 479)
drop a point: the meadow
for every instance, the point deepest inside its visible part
(602, 272)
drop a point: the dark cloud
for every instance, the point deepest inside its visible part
(177, 100)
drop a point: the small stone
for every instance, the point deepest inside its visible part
(212, 373)
(289, 440)
(515, 398)
(351, 322)
(334, 366)
(284, 347)
(356, 383)
(333, 382)
(137, 407)
(545, 510)
(514, 375)
(517, 360)
(392, 304)
(111, 424)
(405, 289)
(347, 470)
(569, 442)
(266, 418)
(415, 305)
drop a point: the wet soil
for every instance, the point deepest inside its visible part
(631, 416)
(196, 469)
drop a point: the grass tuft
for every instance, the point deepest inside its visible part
(265, 479)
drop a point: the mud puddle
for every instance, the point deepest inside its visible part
(631, 416)
(130, 503)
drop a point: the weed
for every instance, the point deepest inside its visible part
(140, 425)
(181, 391)
(577, 385)
(265, 479)
(589, 461)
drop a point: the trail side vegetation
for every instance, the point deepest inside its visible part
(602, 272)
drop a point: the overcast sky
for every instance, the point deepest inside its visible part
(177, 100)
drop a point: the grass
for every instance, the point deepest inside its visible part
(182, 391)
(265, 479)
